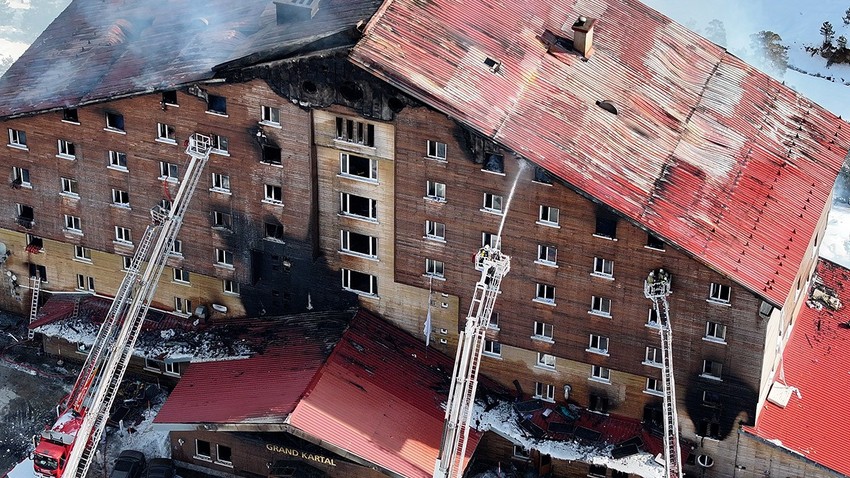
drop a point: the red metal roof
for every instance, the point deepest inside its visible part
(705, 151)
(379, 397)
(817, 362)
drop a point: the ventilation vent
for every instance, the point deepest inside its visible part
(289, 11)
(607, 106)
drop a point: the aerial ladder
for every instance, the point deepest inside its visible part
(657, 288)
(493, 266)
(35, 286)
(66, 449)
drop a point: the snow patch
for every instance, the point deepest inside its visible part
(836, 242)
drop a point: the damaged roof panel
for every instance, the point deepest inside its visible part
(710, 154)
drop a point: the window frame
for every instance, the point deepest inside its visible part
(601, 344)
(712, 369)
(657, 389)
(435, 231)
(219, 145)
(85, 283)
(169, 171)
(345, 238)
(120, 198)
(600, 306)
(599, 373)
(272, 227)
(223, 257)
(715, 332)
(211, 109)
(355, 132)
(347, 285)
(434, 268)
(545, 216)
(73, 224)
(435, 191)
(345, 167)
(544, 391)
(18, 138)
(222, 220)
(180, 276)
(112, 117)
(543, 255)
(82, 253)
(655, 360)
(182, 305)
(269, 115)
(547, 291)
(218, 181)
(219, 460)
(603, 268)
(432, 150)
(546, 361)
(272, 194)
(345, 207)
(70, 187)
(116, 158)
(66, 149)
(490, 201)
(716, 293)
(200, 456)
(230, 287)
(123, 235)
(165, 133)
(21, 176)
(543, 331)
(492, 348)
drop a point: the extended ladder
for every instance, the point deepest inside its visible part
(99, 385)
(657, 288)
(493, 266)
(35, 286)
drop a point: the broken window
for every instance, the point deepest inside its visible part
(653, 386)
(26, 215)
(67, 149)
(21, 177)
(708, 428)
(17, 138)
(118, 160)
(217, 104)
(271, 155)
(598, 403)
(39, 271)
(169, 98)
(355, 132)
(353, 165)
(495, 163)
(606, 225)
(270, 115)
(358, 243)
(541, 176)
(274, 231)
(653, 242)
(652, 357)
(652, 320)
(352, 205)
(359, 282)
(712, 369)
(223, 455)
(70, 115)
(115, 121)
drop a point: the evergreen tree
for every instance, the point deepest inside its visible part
(847, 17)
(716, 32)
(770, 52)
(842, 42)
(828, 32)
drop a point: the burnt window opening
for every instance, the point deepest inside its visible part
(169, 98)
(271, 154)
(38, 271)
(619, 474)
(542, 176)
(309, 87)
(598, 403)
(70, 115)
(115, 121)
(607, 106)
(653, 416)
(709, 429)
(35, 241)
(495, 163)
(355, 132)
(710, 399)
(217, 104)
(395, 104)
(274, 231)
(654, 242)
(350, 91)
(606, 225)
(26, 215)
(597, 471)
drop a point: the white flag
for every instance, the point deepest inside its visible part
(428, 326)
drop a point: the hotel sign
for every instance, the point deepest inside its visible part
(301, 454)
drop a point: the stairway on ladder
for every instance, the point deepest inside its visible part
(35, 286)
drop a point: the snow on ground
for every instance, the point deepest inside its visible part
(836, 245)
(502, 420)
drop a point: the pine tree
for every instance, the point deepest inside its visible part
(828, 32)
(842, 42)
(772, 54)
(716, 32)
(847, 17)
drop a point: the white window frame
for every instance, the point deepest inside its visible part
(712, 369)
(220, 183)
(346, 283)
(653, 323)
(169, 171)
(176, 248)
(70, 187)
(224, 257)
(73, 224)
(66, 149)
(108, 119)
(182, 305)
(598, 344)
(123, 235)
(273, 194)
(198, 454)
(126, 262)
(492, 348)
(599, 373)
(488, 239)
(22, 175)
(116, 158)
(82, 253)
(345, 207)
(435, 191)
(603, 268)
(270, 115)
(436, 150)
(544, 391)
(435, 231)
(600, 306)
(18, 138)
(166, 133)
(493, 324)
(544, 293)
(85, 282)
(543, 331)
(219, 145)
(652, 357)
(173, 368)
(549, 216)
(219, 460)
(547, 255)
(230, 287)
(181, 276)
(222, 220)
(545, 360)
(345, 168)
(715, 332)
(435, 268)
(720, 293)
(345, 244)
(120, 198)
(491, 201)
(654, 386)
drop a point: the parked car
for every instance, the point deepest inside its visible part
(130, 464)
(160, 468)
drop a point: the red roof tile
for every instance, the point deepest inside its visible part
(705, 151)
(817, 362)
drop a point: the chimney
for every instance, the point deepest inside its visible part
(583, 35)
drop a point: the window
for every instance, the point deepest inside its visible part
(544, 391)
(21, 177)
(492, 203)
(545, 360)
(82, 253)
(182, 306)
(165, 205)
(220, 182)
(223, 455)
(180, 275)
(273, 194)
(202, 449)
(598, 403)
(222, 220)
(69, 186)
(173, 368)
(117, 160)
(709, 429)
(72, 224)
(434, 268)
(355, 132)
(120, 198)
(176, 248)
(169, 171)
(600, 306)
(547, 255)
(437, 150)
(358, 166)
(218, 144)
(712, 369)
(653, 357)
(274, 231)
(715, 332)
(435, 191)
(653, 242)
(543, 331)
(70, 115)
(66, 149)
(719, 293)
(17, 138)
(26, 215)
(271, 155)
(494, 321)
(606, 225)
(599, 373)
(223, 257)
(217, 104)
(122, 234)
(359, 282)
(126, 262)
(270, 115)
(710, 399)
(541, 176)
(603, 267)
(115, 121)
(598, 344)
(152, 365)
(619, 474)
(545, 293)
(597, 471)
(230, 286)
(765, 309)
(494, 163)
(351, 205)
(654, 386)
(85, 283)
(165, 133)
(549, 215)
(521, 453)
(489, 239)
(169, 98)
(652, 320)
(491, 347)
(435, 230)
(358, 243)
